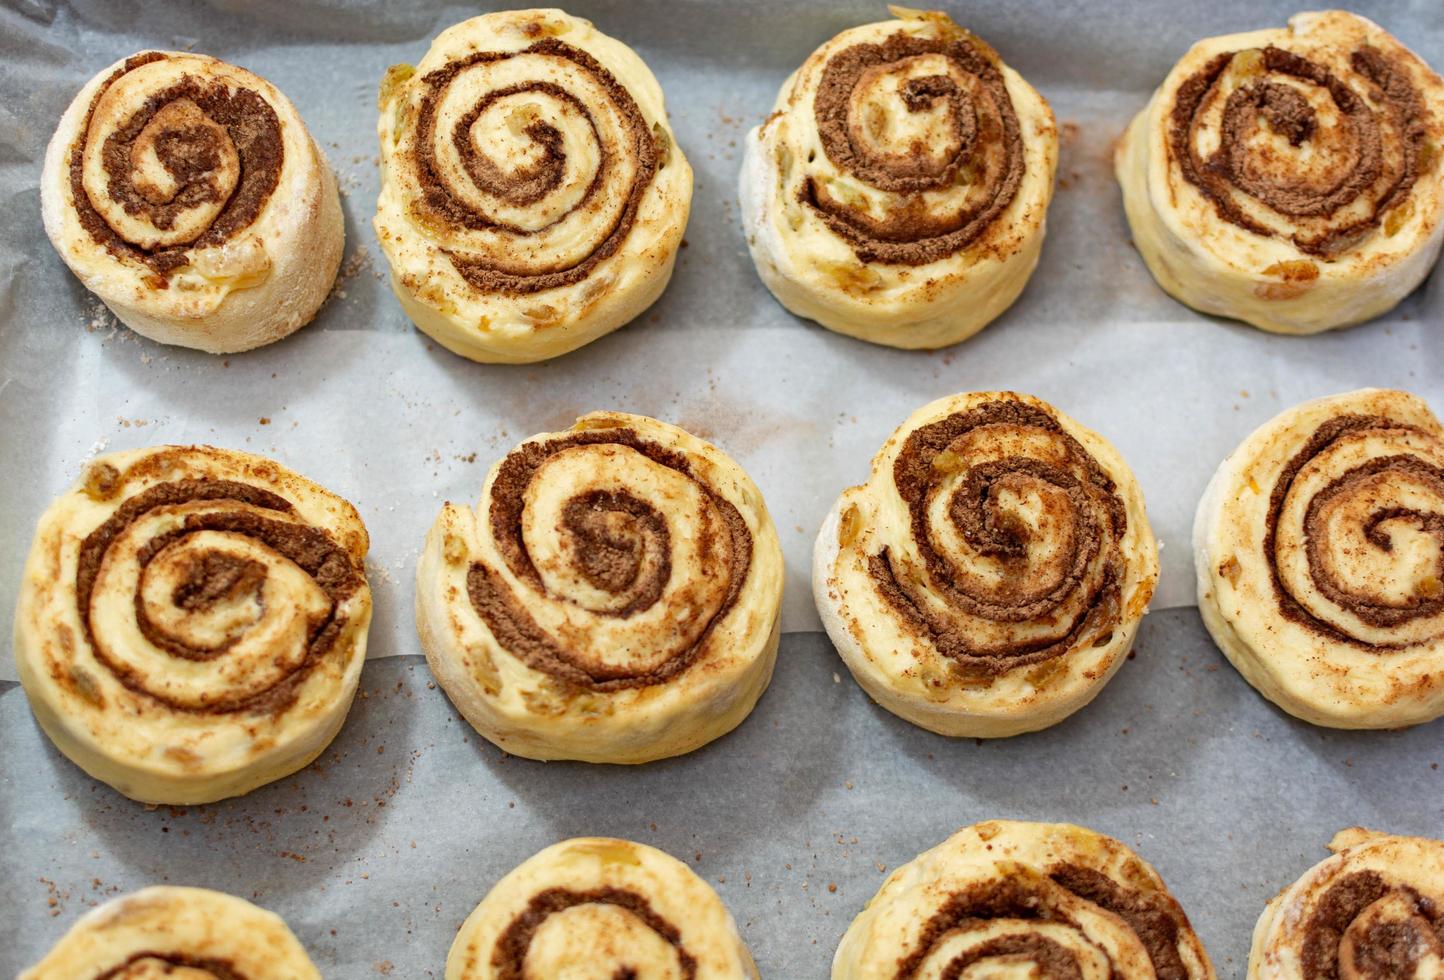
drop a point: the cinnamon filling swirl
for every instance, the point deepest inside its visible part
(1153, 919)
(153, 966)
(216, 586)
(1048, 582)
(621, 546)
(445, 203)
(980, 156)
(509, 956)
(1349, 172)
(1358, 489)
(196, 163)
(1343, 939)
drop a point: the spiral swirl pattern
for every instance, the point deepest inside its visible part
(1337, 527)
(214, 596)
(1063, 900)
(992, 572)
(187, 193)
(905, 167)
(602, 562)
(977, 155)
(618, 908)
(188, 933)
(1301, 167)
(607, 554)
(215, 574)
(547, 224)
(172, 161)
(532, 154)
(1372, 911)
(1341, 175)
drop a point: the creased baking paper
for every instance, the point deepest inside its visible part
(366, 405)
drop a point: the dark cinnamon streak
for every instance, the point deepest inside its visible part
(1385, 950)
(1051, 959)
(509, 956)
(1286, 110)
(530, 185)
(533, 183)
(220, 969)
(910, 235)
(973, 509)
(611, 561)
(216, 576)
(1375, 613)
(1154, 917)
(190, 155)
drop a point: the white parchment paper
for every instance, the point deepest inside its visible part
(375, 859)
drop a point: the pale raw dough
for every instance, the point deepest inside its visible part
(540, 227)
(650, 666)
(185, 933)
(262, 283)
(598, 906)
(1402, 891)
(816, 273)
(196, 669)
(1371, 654)
(1008, 898)
(906, 669)
(1218, 267)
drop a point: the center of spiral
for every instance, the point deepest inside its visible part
(170, 161)
(1354, 534)
(208, 596)
(180, 153)
(1364, 927)
(623, 561)
(1286, 110)
(1284, 145)
(912, 116)
(217, 577)
(530, 165)
(614, 533)
(1016, 529)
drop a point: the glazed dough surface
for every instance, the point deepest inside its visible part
(1292, 177)
(533, 197)
(600, 907)
(1369, 912)
(990, 576)
(1012, 899)
(1319, 546)
(192, 621)
(613, 597)
(180, 934)
(220, 228)
(898, 190)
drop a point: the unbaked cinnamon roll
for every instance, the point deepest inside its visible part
(187, 194)
(613, 597)
(1010, 898)
(1372, 911)
(898, 190)
(533, 197)
(596, 906)
(192, 621)
(990, 576)
(178, 934)
(1290, 178)
(1319, 546)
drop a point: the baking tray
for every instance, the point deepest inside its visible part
(375, 854)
